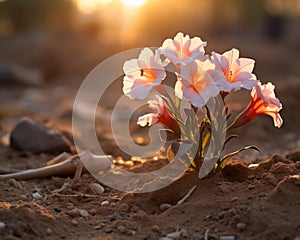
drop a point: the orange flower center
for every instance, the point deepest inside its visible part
(149, 75)
(229, 76)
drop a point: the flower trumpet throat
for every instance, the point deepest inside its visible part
(263, 101)
(162, 116)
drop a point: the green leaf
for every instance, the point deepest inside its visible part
(229, 156)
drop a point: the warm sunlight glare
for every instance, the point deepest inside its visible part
(133, 3)
(89, 6)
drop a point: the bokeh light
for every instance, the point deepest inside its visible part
(133, 3)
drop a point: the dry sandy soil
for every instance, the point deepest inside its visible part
(259, 203)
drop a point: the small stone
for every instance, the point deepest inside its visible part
(156, 229)
(74, 212)
(33, 136)
(227, 238)
(74, 222)
(241, 226)
(297, 164)
(262, 194)
(297, 238)
(174, 235)
(58, 210)
(97, 227)
(14, 183)
(270, 178)
(48, 231)
(108, 230)
(97, 188)
(165, 206)
(251, 186)
(235, 199)
(2, 225)
(123, 207)
(83, 213)
(251, 177)
(36, 195)
(165, 238)
(105, 203)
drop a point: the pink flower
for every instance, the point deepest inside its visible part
(161, 116)
(183, 49)
(142, 74)
(237, 72)
(195, 82)
(263, 101)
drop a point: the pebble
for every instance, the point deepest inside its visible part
(58, 210)
(48, 231)
(297, 238)
(234, 199)
(105, 203)
(83, 213)
(97, 188)
(166, 238)
(227, 238)
(36, 195)
(270, 178)
(241, 226)
(2, 225)
(251, 177)
(251, 186)
(297, 164)
(165, 206)
(74, 222)
(14, 183)
(74, 212)
(174, 235)
(262, 194)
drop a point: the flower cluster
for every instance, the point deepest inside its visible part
(200, 77)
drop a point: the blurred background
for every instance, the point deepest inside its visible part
(48, 47)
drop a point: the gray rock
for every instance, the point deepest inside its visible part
(2, 225)
(36, 195)
(227, 238)
(83, 213)
(17, 75)
(32, 136)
